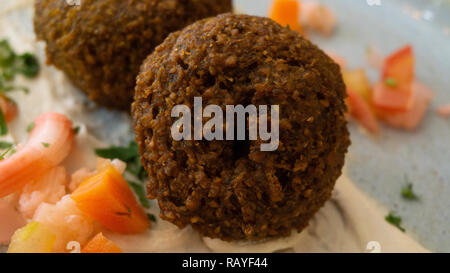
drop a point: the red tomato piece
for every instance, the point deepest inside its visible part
(361, 111)
(389, 98)
(410, 119)
(444, 111)
(399, 67)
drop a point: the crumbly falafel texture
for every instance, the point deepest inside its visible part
(101, 44)
(230, 189)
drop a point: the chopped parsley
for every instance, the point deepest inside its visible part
(4, 87)
(139, 189)
(125, 154)
(9, 150)
(5, 145)
(391, 82)
(151, 217)
(129, 155)
(12, 64)
(46, 145)
(3, 126)
(2, 155)
(395, 221)
(76, 130)
(30, 127)
(408, 193)
(27, 65)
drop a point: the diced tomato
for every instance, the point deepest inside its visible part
(444, 111)
(361, 111)
(286, 13)
(388, 98)
(107, 198)
(399, 67)
(319, 18)
(101, 244)
(411, 118)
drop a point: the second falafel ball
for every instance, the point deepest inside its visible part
(230, 189)
(101, 44)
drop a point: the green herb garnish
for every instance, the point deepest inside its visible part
(6, 54)
(391, 82)
(30, 127)
(408, 193)
(139, 189)
(27, 65)
(10, 150)
(4, 88)
(12, 64)
(76, 130)
(395, 221)
(151, 217)
(5, 145)
(3, 126)
(46, 145)
(129, 155)
(125, 154)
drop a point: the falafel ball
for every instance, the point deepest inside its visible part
(101, 44)
(231, 189)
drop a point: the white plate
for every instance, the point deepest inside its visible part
(379, 166)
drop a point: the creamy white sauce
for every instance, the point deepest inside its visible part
(349, 222)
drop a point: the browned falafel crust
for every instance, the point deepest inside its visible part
(101, 44)
(230, 189)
